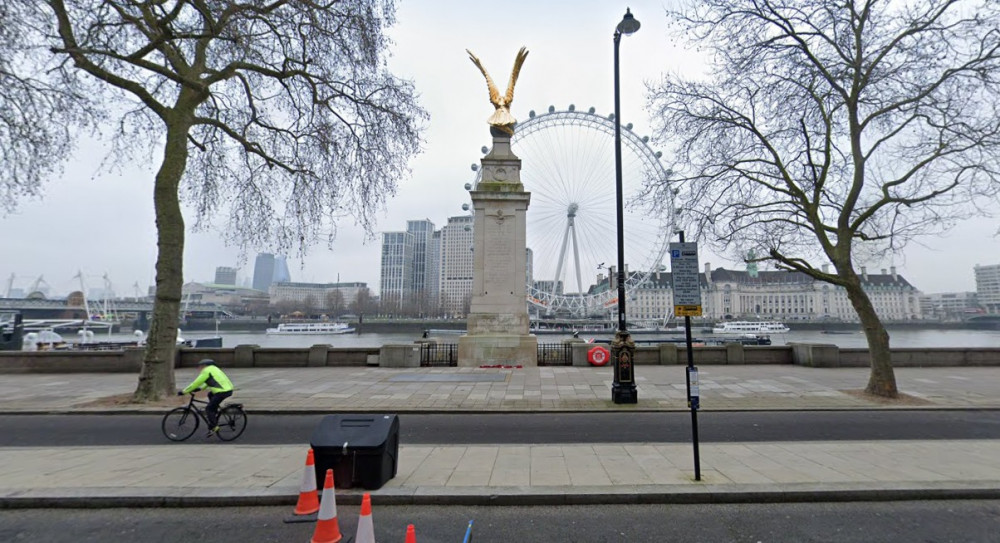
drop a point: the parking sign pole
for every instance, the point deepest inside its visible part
(691, 376)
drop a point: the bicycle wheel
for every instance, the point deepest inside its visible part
(232, 422)
(179, 424)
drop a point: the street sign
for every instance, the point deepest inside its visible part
(687, 287)
(687, 310)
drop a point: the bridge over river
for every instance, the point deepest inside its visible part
(126, 310)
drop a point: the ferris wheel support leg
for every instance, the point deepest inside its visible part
(576, 257)
(562, 257)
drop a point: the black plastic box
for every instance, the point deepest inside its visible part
(361, 449)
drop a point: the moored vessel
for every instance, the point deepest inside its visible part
(750, 327)
(318, 328)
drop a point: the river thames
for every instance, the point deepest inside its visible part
(924, 338)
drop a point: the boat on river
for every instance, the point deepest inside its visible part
(750, 327)
(311, 328)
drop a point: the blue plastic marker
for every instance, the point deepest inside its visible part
(468, 534)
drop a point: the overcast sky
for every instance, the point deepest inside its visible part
(101, 222)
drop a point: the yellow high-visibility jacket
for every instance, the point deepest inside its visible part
(212, 378)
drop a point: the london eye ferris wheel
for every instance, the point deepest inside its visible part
(568, 166)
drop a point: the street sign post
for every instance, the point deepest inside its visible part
(686, 285)
(687, 304)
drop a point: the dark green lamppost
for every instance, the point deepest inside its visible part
(623, 388)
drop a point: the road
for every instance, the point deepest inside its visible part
(864, 522)
(673, 427)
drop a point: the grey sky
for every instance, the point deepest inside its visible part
(102, 222)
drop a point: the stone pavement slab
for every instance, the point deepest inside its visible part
(660, 388)
(228, 474)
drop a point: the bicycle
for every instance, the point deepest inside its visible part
(181, 423)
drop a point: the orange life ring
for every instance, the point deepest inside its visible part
(598, 356)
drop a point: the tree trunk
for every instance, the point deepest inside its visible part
(882, 381)
(156, 378)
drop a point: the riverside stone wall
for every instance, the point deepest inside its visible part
(253, 356)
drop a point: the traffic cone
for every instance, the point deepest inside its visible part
(308, 497)
(366, 528)
(411, 534)
(327, 528)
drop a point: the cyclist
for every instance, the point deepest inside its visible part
(219, 388)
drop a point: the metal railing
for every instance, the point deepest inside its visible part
(446, 354)
(555, 354)
(438, 354)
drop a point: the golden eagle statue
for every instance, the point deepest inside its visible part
(502, 119)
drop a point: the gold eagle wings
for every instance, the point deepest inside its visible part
(501, 118)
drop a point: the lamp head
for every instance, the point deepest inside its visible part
(629, 23)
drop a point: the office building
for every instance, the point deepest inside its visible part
(433, 278)
(423, 233)
(988, 287)
(269, 269)
(316, 297)
(949, 306)
(281, 274)
(396, 270)
(456, 265)
(263, 272)
(225, 275)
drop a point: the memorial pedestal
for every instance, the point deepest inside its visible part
(498, 322)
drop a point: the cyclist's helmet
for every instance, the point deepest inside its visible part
(206, 362)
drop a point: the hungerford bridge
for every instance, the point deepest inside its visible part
(41, 309)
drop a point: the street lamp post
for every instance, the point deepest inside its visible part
(623, 388)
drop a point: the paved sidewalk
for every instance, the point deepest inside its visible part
(189, 474)
(660, 388)
(233, 474)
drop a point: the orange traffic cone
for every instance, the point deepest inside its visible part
(308, 498)
(411, 534)
(366, 528)
(327, 527)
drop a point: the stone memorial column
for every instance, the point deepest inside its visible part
(498, 322)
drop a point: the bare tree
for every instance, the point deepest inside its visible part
(389, 304)
(284, 308)
(308, 306)
(834, 131)
(335, 302)
(37, 114)
(363, 303)
(281, 112)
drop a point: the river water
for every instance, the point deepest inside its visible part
(898, 338)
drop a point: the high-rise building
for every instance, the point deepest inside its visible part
(396, 281)
(263, 271)
(456, 264)
(281, 274)
(225, 275)
(269, 269)
(434, 271)
(988, 287)
(422, 232)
